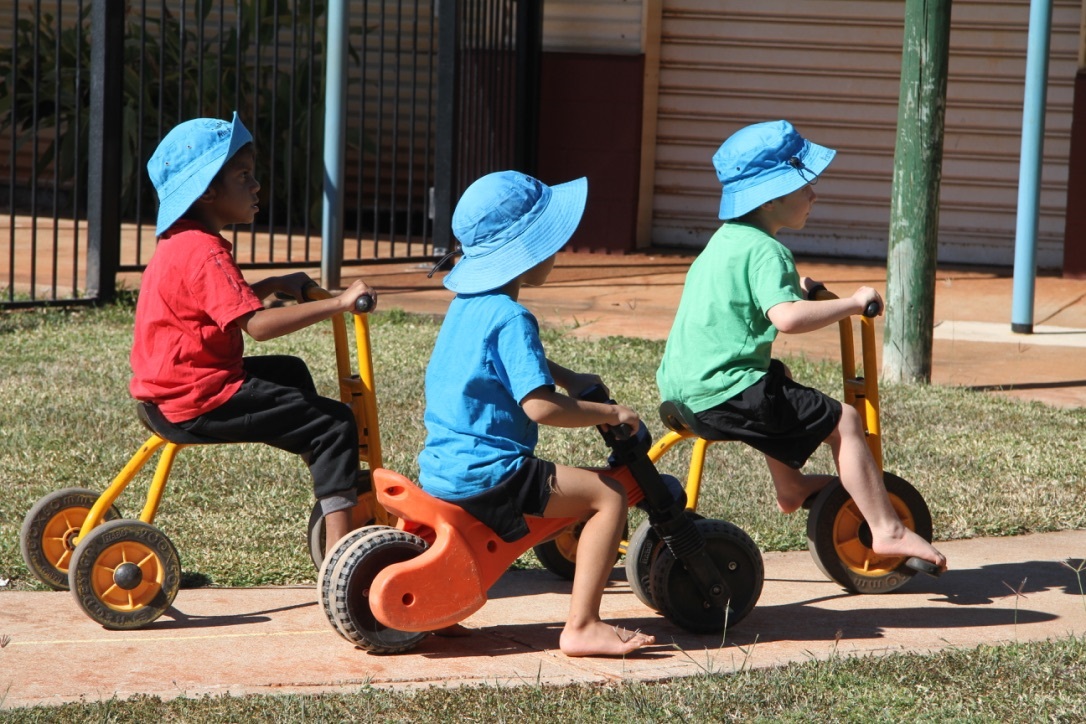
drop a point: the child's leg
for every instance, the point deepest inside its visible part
(861, 478)
(339, 523)
(793, 487)
(601, 502)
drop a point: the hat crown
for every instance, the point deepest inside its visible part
(496, 209)
(756, 149)
(763, 162)
(187, 160)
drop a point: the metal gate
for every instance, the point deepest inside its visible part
(488, 91)
(79, 118)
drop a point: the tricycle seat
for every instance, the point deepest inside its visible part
(677, 417)
(153, 419)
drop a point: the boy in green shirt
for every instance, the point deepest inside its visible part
(740, 292)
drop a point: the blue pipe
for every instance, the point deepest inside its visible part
(335, 144)
(1029, 174)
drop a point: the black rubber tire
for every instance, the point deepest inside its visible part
(351, 577)
(840, 540)
(640, 553)
(740, 563)
(559, 554)
(116, 547)
(45, 537)
(324, 574)
(315, 535)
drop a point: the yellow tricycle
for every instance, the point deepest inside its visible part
(125, 573)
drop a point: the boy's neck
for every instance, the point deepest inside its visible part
(756, 221)
(511, 289)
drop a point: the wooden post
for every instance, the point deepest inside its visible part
(914, 205)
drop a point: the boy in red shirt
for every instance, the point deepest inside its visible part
(194, 304)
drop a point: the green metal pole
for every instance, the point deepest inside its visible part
(914, 204)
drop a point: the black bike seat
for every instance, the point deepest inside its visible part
(153, 419)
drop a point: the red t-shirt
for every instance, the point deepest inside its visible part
(187, 350)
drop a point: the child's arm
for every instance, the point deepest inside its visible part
(268, 324)
(572, 382)
(807, 316)
(289, 284)
(548, 407)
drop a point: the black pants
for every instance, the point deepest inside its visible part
(279, 405)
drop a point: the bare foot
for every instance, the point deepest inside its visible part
(602, 639)
(906, 543)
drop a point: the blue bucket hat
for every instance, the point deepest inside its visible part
(186, 161)
(506, 223)
(763, 162)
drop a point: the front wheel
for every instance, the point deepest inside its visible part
(640, 554)
(125, 574)
(840, 539)
(45, 538)
(739, 563)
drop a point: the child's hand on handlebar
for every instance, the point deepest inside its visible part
(359, 298)
(869, 300)
(625, 419)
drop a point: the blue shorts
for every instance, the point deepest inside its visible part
(776, 416)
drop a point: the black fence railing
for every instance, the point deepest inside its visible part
(65, 171)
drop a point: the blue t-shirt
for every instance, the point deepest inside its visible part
(487, 358)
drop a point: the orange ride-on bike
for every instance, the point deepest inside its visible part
(384, 588)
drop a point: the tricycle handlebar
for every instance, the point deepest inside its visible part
(819, 293)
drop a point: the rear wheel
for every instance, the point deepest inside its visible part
(559, 554)
(328, 565)
(840, 539)
(48, 530)
(351, 579)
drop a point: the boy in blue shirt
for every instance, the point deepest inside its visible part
(489, 386)
(741, 290)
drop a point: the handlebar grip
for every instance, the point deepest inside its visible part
(364, 303)
(815, 291)
(872, 309)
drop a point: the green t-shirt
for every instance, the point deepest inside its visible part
(721, 341)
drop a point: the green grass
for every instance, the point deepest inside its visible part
(1024, 683)
(986, 466)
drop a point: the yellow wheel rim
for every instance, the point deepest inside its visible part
(852, 540)
(120, 599)
(57, 536)
(566, 543)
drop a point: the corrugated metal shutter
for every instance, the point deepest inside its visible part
(833, 69)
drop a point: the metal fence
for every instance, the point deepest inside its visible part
(88, 88)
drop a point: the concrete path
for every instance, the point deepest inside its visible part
(277, 640)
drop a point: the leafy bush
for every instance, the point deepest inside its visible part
(174, 70)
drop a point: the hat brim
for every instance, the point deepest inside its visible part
(536, 243)
(814, 158)
(185, 193)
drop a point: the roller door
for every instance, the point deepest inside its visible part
(833, 68)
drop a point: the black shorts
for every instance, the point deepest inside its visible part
(503, 507)
(776, 416)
